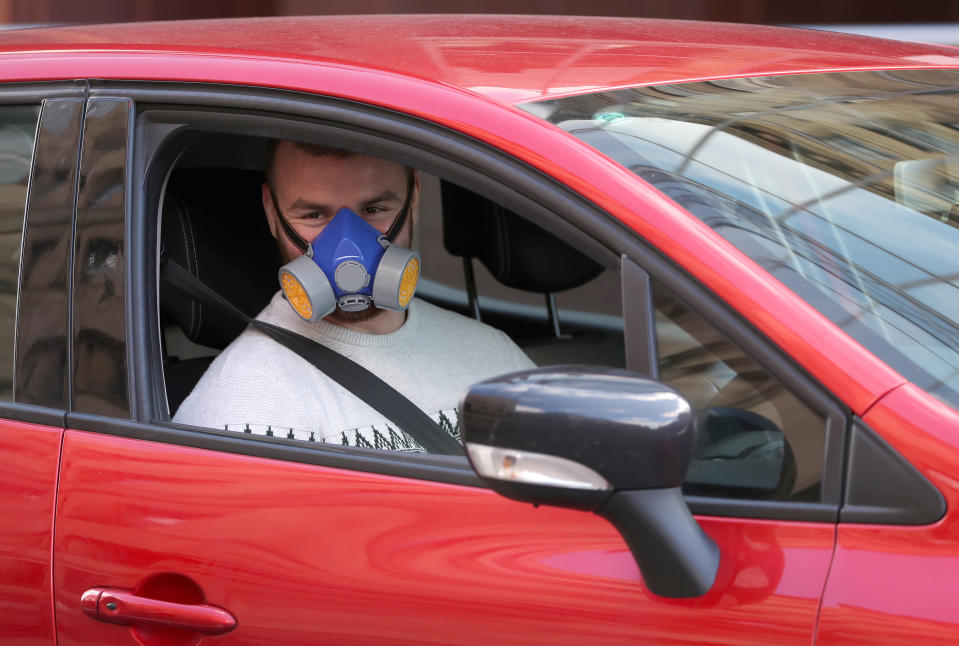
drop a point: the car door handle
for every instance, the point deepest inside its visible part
(124, 607)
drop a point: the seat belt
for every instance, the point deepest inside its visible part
(378, 394)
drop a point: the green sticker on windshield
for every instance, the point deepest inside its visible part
(608, 117)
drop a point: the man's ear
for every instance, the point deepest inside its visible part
(415, 202)
(266, 196)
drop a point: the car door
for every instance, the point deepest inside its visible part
(39, 134)
(166, 533)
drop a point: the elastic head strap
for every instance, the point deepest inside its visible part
(400, 220)
(290, 232)
(394, 229)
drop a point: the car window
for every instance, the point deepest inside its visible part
(756, 438)
(214, 224)
(17, 135)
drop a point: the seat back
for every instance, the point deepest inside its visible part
(215, 227)
(522, 255)
(517, 252)
(213, 224)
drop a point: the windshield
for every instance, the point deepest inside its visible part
(845, 186)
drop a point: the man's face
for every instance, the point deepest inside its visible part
(310, 189)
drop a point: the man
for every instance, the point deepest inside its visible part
(428, 354)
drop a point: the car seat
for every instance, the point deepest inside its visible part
(213, 224)
(524, 256)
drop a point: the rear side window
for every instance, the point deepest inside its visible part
(18, 126)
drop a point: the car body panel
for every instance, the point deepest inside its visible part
(307, 554)
(896, 585)
(301, 553)
(28, 480)
(510, 58)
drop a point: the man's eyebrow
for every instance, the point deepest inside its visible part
(302, 204)
(385, 196)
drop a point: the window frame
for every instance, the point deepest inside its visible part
(779, 366)
(101, 216)
(35, 93)
(450, 155)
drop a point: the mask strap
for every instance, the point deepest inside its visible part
(400, 220)
(290, 232)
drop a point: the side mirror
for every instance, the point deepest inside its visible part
(603, 440)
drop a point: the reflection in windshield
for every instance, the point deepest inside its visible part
(845, 186)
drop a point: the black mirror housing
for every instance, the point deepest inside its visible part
(604, 440)
(579, 413)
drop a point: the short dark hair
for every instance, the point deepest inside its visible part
(315, 150)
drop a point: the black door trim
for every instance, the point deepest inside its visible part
(45, 253)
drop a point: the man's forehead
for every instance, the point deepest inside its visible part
(320, 156)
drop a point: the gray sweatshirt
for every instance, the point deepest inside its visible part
(258, 386)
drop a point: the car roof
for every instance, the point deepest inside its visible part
(508, 58)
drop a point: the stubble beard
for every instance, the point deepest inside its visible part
(340, 316)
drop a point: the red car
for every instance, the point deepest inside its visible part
(743, 428)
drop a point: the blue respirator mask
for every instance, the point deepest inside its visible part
(350, 265)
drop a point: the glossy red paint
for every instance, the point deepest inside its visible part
(28, 481)
(898, 585)
(511, 58)
(333, 57)
(307, 554)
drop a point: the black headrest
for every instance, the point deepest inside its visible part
(214, 225)
(517, 252)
